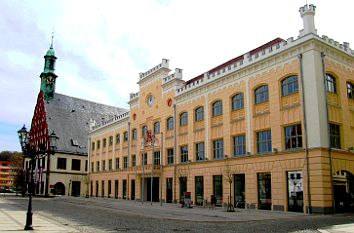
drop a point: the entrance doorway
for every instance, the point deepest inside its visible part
(343, 185)
(264, 191)
(124, 189)
(132, 194)
(75, 188)
(169, 190)
(182, 188)
(96, 188)
(295, 191)
(59, 189)
(217, 189)
(239, 190)
(116, 189)
(199, 190)
(155, 189)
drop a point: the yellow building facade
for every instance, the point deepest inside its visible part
(270, 129)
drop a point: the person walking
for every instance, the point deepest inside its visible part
(213, 201)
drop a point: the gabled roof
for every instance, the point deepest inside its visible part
(70, 118)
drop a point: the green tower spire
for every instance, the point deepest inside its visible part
(48, 76)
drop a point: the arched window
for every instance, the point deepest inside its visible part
(261, 94)
(350, 90)
(183, 118)
(289, 85)
(217, 108)
(199, 114)
(134, 134)
(237, 102)
(156, 127)
(144, 131)
(169, 123)
(125, 136)
(331, 83)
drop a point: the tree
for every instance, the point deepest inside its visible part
(228, 172)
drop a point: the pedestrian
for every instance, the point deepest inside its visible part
(213, 201)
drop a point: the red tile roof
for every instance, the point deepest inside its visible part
(236, 59)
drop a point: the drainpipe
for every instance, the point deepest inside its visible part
(328, 129)
(161, 167)
(129, 144)
(174, 151)
(306, 142)
(88, 193)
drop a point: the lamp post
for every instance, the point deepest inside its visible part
(34, 152)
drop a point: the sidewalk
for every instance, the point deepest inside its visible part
(13, 219)
(347, 228)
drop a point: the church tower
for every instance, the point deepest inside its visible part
(48, 76)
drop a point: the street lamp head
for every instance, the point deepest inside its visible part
(23, 137)
(53, 141)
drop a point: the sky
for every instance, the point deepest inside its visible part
(103, 45)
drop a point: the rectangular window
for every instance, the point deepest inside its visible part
(104, 142)
(199, 150)
(111, 140)
(76, 164)
(293, 136)
(110, 165)
(218, 149)
(98, 166)
(144, 157)
(125, 162)
(170, 156)
(98, 144)
(117, 163)
(61, 163)
(264, 141)
(184, 154)
(92, 166)
(157, 158)
(239, 145)
(125, 135)
(43, 163)
(86, 165)
(133, 160)
(117, 139)
(334, 136)
(104, 165)
(93, 146)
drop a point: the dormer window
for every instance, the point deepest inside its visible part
(74, 142)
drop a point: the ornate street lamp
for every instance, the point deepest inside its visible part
(32, 152)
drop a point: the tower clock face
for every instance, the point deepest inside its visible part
(150, 100)
(50, 80)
